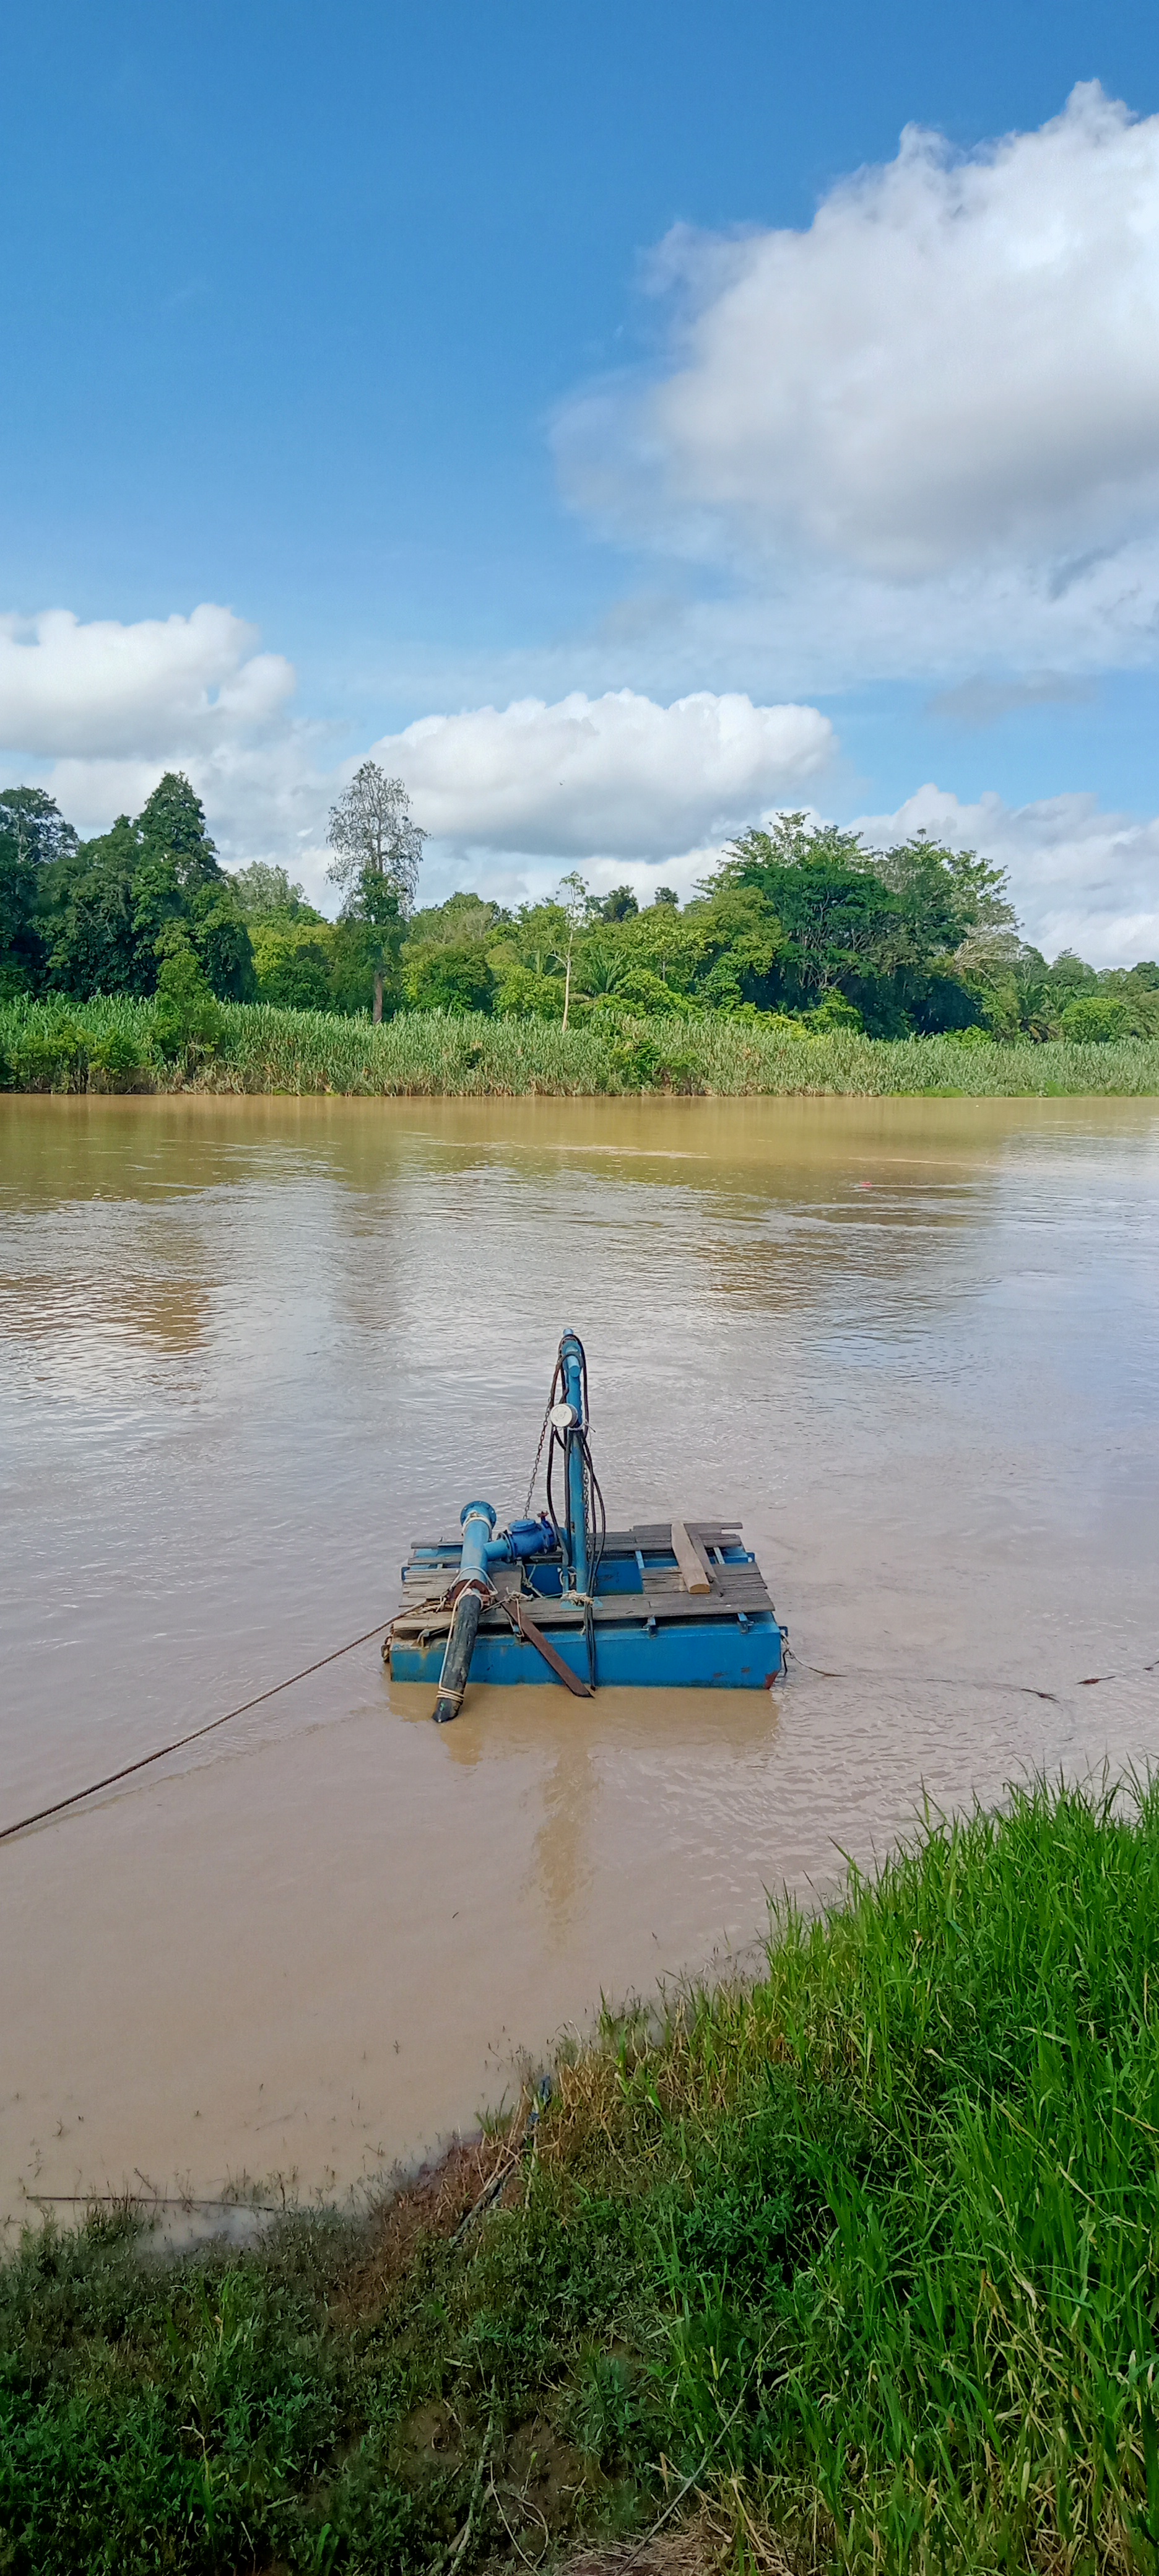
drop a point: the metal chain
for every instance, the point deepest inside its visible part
(538, 1456)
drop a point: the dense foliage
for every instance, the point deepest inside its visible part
(866, 2256)
(185, 1040)
(800, 921)
(102, 916)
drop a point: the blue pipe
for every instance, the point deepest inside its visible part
(571, 1352)
(524, 1538)
(477, 1520)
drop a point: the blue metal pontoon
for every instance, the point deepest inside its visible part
(670, 1603)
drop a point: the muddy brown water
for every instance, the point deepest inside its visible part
(250, 1348)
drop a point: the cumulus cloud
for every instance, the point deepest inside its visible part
(98, 710)
(1081, 878)
(623, 784)
(937, 407)
(103, 690)
(95, 710)
(616, 776)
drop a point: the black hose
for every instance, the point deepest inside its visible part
(457, 1658)
(595, 1531)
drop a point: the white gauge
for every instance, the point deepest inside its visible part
(563, 1416)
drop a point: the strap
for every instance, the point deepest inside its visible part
(534, 1636)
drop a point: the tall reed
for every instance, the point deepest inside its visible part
(434, 1053)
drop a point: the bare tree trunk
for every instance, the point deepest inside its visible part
(377, 999)
(567, 990)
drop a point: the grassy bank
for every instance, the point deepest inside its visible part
(258, 1049)
(867, 2255)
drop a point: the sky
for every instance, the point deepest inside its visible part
(620, 424)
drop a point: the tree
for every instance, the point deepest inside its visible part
(221, 940)
(266, 893)
(619, 905)
(36, 825)
(666, 894)
(575, 904)
(941, 895)
(178, 879)
(187, 1016)
(372, 832)
(171, 825)
(33, 836)
(294, 974)
(443, 977)
(464, 916)
(741, 940)
(1095, 1019)
(372, 916)
(91, 919)
(839, 919)
(109, 903)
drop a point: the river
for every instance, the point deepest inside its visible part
(249, 1348)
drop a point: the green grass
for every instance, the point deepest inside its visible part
(434, 1054)
(867, 2254)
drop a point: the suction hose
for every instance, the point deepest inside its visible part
(477, 1521)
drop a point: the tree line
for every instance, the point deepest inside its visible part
(799, 920)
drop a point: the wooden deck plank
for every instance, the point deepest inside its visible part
(691, 1559)
(671, 1609)
(621, 1542)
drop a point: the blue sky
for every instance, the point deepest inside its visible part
(357, 326)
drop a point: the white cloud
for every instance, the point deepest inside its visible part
(163, 685)
(97, 711)
(263, 799)
(615, 776)
(928, 426)
(626, 786)
(1080, 877)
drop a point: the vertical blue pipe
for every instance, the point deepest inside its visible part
(572, 1355)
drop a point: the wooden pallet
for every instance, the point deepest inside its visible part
(700, 1585)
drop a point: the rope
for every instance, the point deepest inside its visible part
(958, 1681)
(142, 1764)
(436, 1603)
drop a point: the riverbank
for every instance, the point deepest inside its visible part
(865, 2255)
(112, 1046)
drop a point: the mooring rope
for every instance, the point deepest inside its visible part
(960, 1681)
(92, 1789)
(143, 1761)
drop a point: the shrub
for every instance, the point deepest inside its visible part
(297, 978)
(117, 1058)
(186, 1018)
(524, 995)
(640, 990)
(450, 978)
(834, 1013)
(55, 1058)
(635, 1062)
(1095, 1019)
(640, 1063)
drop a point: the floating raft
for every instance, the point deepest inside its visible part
(666, 1604)
(676, 1602)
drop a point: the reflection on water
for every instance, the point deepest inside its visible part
(248, 1349)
